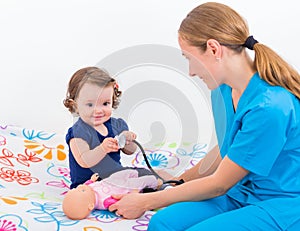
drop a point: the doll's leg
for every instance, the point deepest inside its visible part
(106, 167)
(183, 215)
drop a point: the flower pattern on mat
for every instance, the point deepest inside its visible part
(142, 223)
(197, 152)
(34, 175)
(62, 173)
(3, 127)
(103, 216)
(20, 176)
(59, 171)
(91, 228)
(11, 222)
(23, 159)
(158, 159)
(33, 135)
(5, 157)
(2, 140)
(12, 200)
(49, 213)
(48, 152)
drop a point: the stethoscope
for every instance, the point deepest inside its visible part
(122, 141)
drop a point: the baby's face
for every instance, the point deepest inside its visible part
(94, 104)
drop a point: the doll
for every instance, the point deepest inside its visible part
(80, 201)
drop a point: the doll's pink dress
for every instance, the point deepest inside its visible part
(121, 182)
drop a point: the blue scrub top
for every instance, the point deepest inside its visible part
(262, 136)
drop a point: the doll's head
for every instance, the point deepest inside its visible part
(79, 202)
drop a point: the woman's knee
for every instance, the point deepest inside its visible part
(158, 222)
(169, 218)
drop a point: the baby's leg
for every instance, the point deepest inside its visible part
(143, 182)
(124, 174)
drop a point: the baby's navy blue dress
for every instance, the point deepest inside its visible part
(109, 164)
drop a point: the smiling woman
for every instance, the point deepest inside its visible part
(201, 64)
(249, 182)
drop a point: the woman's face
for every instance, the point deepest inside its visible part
(94, 104)
(201, 64)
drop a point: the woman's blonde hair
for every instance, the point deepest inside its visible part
(217, 21)
(92, 75)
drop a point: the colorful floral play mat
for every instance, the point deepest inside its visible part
(34, 176)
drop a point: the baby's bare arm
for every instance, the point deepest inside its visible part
(87, 157)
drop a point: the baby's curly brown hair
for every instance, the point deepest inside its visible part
(92, 75)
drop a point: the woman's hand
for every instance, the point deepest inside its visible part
(130, 206)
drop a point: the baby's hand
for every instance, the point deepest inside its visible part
(130, 136)
(110, 145)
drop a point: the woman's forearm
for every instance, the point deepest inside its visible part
(199, 189)
(192, 173)
(204, 167)
(224, 177)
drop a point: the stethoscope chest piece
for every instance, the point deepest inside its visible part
(121, 140)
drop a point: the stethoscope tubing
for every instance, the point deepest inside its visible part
(176, 182)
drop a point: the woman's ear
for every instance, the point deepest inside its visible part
(214, 47)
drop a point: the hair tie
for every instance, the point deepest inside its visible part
(116, 86)
(250, 42)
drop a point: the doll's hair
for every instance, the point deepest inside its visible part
(93, 75)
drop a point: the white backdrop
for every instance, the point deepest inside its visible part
(43, 43)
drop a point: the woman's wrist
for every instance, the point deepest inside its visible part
(154, 200)
(148, 202)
